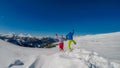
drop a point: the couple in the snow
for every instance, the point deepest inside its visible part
(69, 38)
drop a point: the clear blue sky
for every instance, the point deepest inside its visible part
(59, 16)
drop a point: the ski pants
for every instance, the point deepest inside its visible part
(61, 46)
(69, 43)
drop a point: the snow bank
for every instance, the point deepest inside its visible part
(78, 58)
(10, 54)
(107, 45)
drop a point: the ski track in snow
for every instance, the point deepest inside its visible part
(12, 56)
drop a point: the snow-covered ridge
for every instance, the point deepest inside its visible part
(99, 35)
(9, 35)
(26, 40)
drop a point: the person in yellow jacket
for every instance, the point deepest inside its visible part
(69, 37)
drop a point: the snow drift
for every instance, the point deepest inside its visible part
(78, 58)
(107, 45)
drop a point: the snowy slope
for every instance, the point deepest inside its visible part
(106, 45)
(9, 53)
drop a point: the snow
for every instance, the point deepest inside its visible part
(107, 45)
(7, 35)
(24, 35)
(91, 51)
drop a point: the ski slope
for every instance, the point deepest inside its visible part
(91, 51)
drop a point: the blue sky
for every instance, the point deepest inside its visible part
(59, 16)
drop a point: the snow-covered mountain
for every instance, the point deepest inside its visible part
(91, 51)
(26, 40)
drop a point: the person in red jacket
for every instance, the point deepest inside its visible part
(61, 42)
